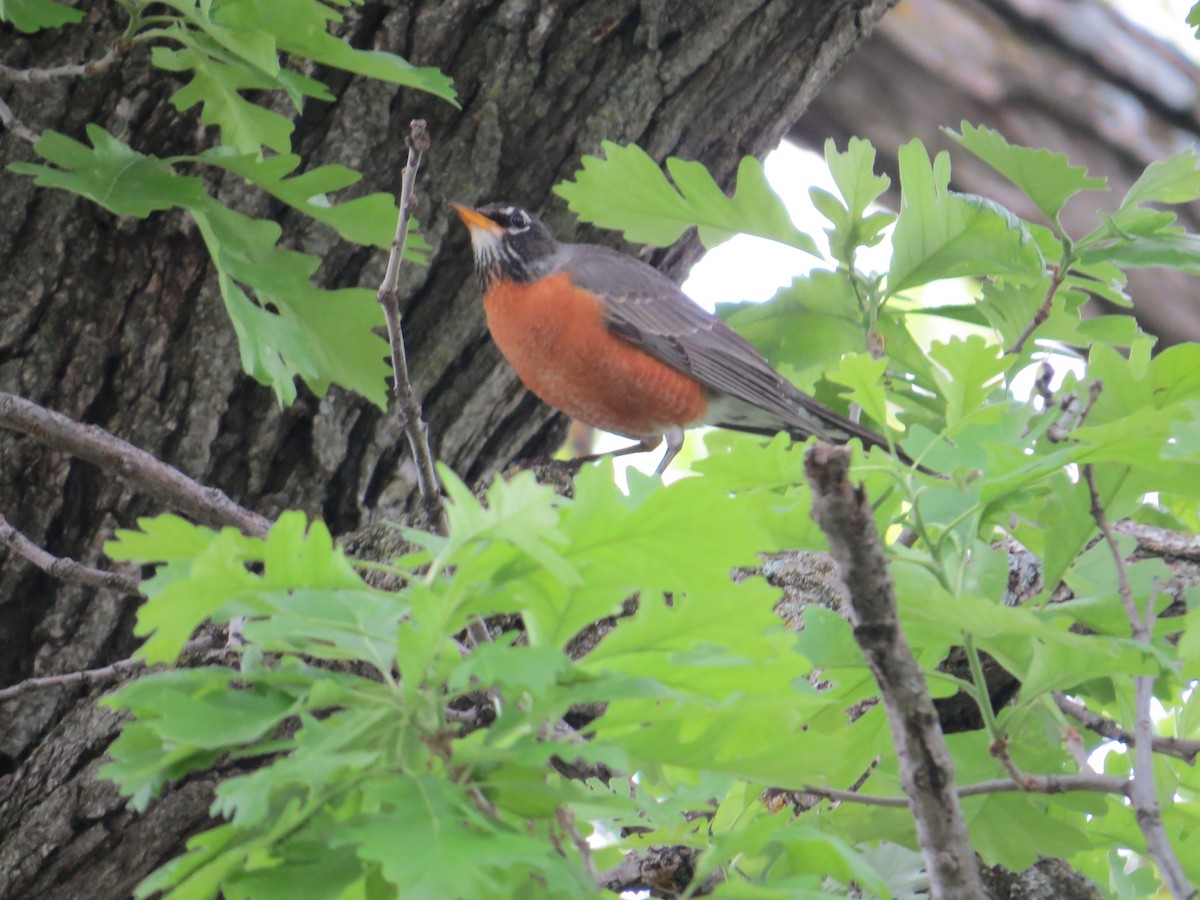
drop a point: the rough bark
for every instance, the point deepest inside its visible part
(118, 323)
(1070, 75)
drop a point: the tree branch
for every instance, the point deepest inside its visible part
(1029, 784)
(566, 820)
(1057, 278)
(1159, 541)
(1141, 793)
(89, 676)
(408, 409)
(10, 121)
(664, 871)
(65, 569)
(137, 467)
(71, 70)
(1168, 746)
(926, 769)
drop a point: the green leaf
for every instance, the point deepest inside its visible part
(805, 327)
(215, 574)
(111, 174)
(1169, 251)
(1175, 179)
(971, 370)
(854, 174)
(290, 327)
(512, 669)
(627, 190)
(1048, 179)
(369, 220)
(165, 538)
(141, 763)
(940, 234)
(430, 841)
(191, 711)
(863, 375)
(285, 326)
(34, 15)
(990, 823)
(302, 29)
(217, 87)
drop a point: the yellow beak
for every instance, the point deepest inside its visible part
(477, 221)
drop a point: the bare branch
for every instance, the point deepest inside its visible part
(72, 70)
(926, 769)
(65, 569)
(566, 820)
(10, 121)
(1029, 784)
(1168, 746)
(408, 409)
(89, 676)
(1142, 794)
(1057, 277)
(664, 871)
(137, 467)
(1159, 541)
(1123, 588)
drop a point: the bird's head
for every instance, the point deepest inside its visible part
(509, 242)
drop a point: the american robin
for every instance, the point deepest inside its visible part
(612, 342)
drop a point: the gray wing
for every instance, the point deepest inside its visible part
(647, 309)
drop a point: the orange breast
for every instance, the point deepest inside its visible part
(555, 337)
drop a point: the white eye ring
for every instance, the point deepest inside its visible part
(519, 219)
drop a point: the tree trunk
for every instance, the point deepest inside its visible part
(1073, 76)
(119, 323)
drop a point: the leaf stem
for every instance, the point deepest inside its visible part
(982, 699)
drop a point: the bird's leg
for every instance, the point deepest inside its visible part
(639, 447)
(674, 436)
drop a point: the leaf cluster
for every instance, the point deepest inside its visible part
(374, 757)
(232, 54)
(364, 713)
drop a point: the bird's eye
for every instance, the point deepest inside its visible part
(519, 219)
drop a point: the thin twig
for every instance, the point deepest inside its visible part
(1168, 746)
(926, 768)
(1029, 784)
(1123, 589)
(63, 568)
(1041, 384)
(408, 409)
(1058, 276)
(139, 468)
(566, 819)
(1073, 741)
(87, 676)
(71, 70)
(1142, 794)
(10, 121)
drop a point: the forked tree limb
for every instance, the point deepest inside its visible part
(926, 769)
(140, 469)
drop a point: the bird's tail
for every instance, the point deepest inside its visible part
(837, 431)
(802, 417)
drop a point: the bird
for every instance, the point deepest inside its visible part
(612, 342)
